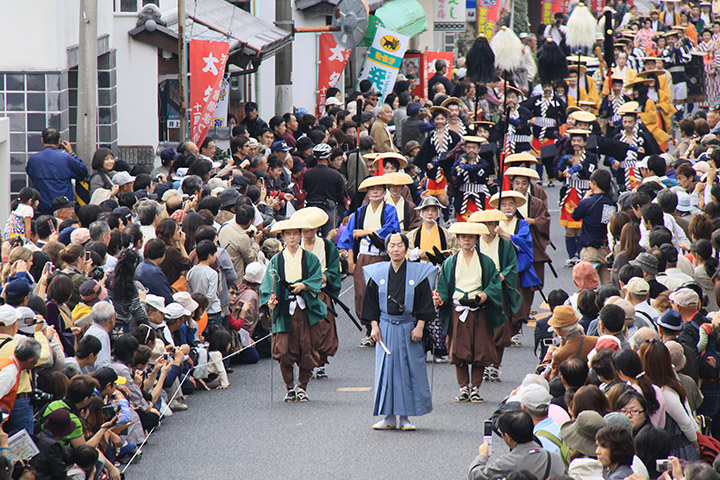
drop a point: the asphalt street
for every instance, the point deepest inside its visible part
(245, 432)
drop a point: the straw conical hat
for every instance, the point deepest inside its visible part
(522, 172)
(399, 178)
(519, 198)
(282, 225)
(482, 216)
(520, 158)
(311, 217)
(379, 180)
(468, 228)
(400, 158)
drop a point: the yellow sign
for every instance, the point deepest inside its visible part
(390, 43)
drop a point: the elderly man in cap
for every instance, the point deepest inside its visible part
(22, 415)
(26, 354)
(648, 263)
(63, 209)
(573, 342)
(535, 400)
(516, 429)
(365, 235)
(637, 292)
(687, 302)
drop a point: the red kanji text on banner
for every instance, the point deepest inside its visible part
(332, 63)
(207, 66)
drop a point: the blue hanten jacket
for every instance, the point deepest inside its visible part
(51, 171)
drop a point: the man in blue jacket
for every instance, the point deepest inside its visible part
(52, 169)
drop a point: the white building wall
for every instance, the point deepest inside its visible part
(428, 39)
(137, 85)
(57, 20)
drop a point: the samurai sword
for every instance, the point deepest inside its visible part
(552, 269)
(344, 307)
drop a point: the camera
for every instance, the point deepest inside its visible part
(109, 411)
(663, 465)
(96, 273)
(40, 398)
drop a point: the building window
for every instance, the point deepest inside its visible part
(449, 39)
(132, 6)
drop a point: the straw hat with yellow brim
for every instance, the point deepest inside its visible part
(651, 59)
(450, 101)
(483, 123)
(519, 198)
(578, 131)
(484, 216)
(647, 73)
(468, 228)
(574, 68)
(616, 77)
(586, 103)
(679, 28)
(397, 156)
(443, 110)
(583, 116)
(511, 89)
(399, 178)
(291, 224)
(473, 139)
(311, 217)
(629, 108)
(671, 33)
(522, 172)
(377, 181)
(639, 81)
(572, 109)
(370, 156)
(520, 158)
(618, 41)
(573, 59)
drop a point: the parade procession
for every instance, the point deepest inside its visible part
(428, 239)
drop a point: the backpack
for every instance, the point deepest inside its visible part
(709, 448)
(564, 448)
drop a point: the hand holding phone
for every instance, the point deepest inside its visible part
(487, 435)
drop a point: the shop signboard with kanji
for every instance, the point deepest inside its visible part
(449, 15)
(383, 60)
(207, 67)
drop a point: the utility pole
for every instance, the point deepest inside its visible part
(283, 60)
(182, 71)
(87, 82)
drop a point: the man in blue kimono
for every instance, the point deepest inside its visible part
(364, 235)
(398, 302)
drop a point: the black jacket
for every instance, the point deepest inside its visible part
(53, 460)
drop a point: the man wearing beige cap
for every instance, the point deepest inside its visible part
(574, 341)
(637, 292)
(687, 302)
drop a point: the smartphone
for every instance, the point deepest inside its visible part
(51, 224)
(166, 356)
(48, 268)
(663, 465)
(487, 435)
(262, 182)
(88, 256)
(108, 412)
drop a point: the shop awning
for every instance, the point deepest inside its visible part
(318, 8)
(406, 17)
(251, 39)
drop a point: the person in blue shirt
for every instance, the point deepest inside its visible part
(52, 169)
(151, 275)
(595, 211)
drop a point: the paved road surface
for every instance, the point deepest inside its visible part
(238, 433)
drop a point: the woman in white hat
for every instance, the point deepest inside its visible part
(469, 304)
(517, 230)
(313, 218)
(365, 234)
(502, 252)
(290, 290)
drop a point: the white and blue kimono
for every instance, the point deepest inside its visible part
(397, 300)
